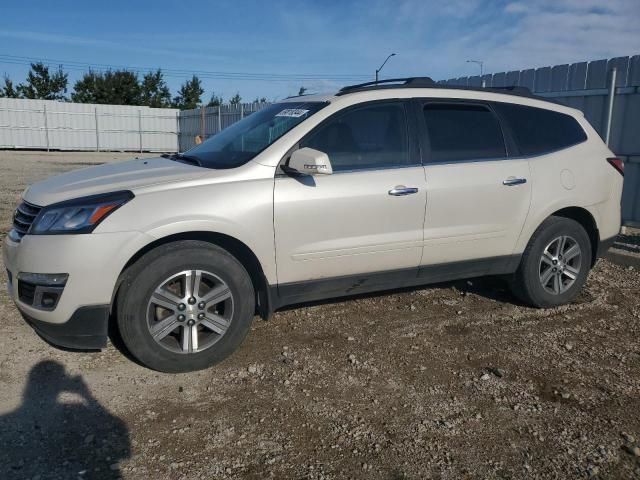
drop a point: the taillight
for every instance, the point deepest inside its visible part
(617, 164)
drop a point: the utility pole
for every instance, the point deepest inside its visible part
(378, 70)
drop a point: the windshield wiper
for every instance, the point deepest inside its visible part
(183, 158)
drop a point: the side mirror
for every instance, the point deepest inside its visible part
(308, 161)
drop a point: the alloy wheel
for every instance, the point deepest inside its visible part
(190, 311)
(560, 264)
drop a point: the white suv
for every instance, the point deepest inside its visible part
(382, 185)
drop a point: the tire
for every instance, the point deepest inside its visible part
(534, 269)
(165, 327)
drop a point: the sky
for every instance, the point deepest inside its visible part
(272, 48)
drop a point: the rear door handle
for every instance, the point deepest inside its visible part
(401, 190)
(514, 181)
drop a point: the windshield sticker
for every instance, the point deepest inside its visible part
(292, 112)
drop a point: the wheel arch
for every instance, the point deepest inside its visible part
(585, 218)
(235, 247)
(588, 222)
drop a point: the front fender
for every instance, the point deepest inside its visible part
(260, 246)
(242, 210)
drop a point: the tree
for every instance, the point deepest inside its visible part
(119, 87)
(189, 94)
(260, 100)
(122, 87)
(302, 91)
(235, 100)
(44, 85)
(89, 89)
(154, 90)
(215, 100)
(8, 90)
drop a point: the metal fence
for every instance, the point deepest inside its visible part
(207, 121)
(51, 125)
(607, 91)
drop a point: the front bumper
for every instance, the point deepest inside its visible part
(92, 261)
(87, 329)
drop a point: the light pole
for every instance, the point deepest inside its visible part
(378, 70)
(481, 63)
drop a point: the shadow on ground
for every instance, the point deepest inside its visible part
(491, 287)
(61, 431)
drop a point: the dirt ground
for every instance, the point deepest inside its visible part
(450, 381)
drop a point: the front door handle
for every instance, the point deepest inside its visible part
(401, 190)
(514, 181)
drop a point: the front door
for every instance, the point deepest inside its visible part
(365, 217)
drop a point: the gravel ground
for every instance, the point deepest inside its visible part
(454, 381)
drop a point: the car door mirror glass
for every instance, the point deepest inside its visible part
(309, 161)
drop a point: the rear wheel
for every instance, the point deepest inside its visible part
(185, 306)
(555, 264)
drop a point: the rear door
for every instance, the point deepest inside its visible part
(368, 215)
(478, 196)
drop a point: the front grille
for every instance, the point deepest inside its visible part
(26, 292)
(23, 217)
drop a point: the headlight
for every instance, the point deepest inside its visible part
(80, 215)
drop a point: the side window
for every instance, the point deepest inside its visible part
(372, 136)
(463, 132)
(538, 131)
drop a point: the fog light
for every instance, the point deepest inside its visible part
(41, 290)
(49, 299)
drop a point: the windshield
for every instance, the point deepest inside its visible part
(242, 141)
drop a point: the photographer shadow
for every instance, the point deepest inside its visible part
(61, 431)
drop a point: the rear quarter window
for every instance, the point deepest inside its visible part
(538, 131)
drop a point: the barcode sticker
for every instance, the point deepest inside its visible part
(292, 112)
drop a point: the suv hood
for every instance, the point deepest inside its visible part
(110, 177)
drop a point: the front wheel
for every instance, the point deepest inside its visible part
(555, 265)
(185, 306)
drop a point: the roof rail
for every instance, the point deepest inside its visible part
(401, 82)
(426, 82)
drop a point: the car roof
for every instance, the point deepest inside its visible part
(420, 87)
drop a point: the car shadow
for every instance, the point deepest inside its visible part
(491, 287)
(61, 431)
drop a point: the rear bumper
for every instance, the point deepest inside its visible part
(87, 329)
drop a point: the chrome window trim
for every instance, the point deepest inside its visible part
(356, 170)
(472, 160)
(502, 159)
